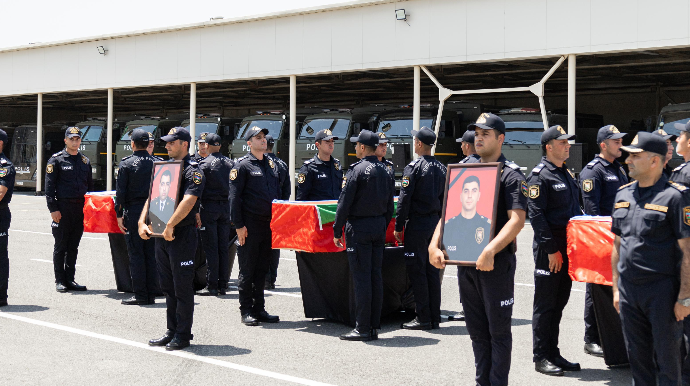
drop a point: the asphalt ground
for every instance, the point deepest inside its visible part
(89, 338)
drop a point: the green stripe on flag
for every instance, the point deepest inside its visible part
(327, 212)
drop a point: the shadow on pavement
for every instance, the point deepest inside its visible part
(612, 376)
(403, 341)
(22, 308)
(520, 322)
(449, 329)
(213, 350)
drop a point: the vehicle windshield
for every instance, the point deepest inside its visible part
(273, 127)
(23, 145)
(93, 134)
(401, 127)
(524, 133)
(338, 126)
(128, 131)
(669, 121)
(204, 127)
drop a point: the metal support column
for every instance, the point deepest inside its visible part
(293, 133)
(192, 117)
(109, 145)
(39, 145)
(571, 93)
(416, 102)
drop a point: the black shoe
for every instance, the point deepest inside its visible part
(548, 368)
(60, 287)
(269, 286)
(151, 301)
(564, 364)
(435, 325)
(594, 349)
(249, 320)
(356, 335)
(133, 301)
(74, 286)
(265, 317)
(415, 324)
(459, 317)
(222, 291)
(162, 341)
(177, 344)
(208, 292)
(374, 334)
(3, 303)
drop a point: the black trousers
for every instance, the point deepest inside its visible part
(215, 225)
(551, 295)
(488, 299)
(652, 334)
(685, 351)
(5, 219)
(273, 266)
(142, 256)
(425, 278)
(365, 240)
(591, 331)
(254, 257)
(67, 235)
(176, 274)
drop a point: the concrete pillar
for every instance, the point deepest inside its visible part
(293, 133)
(571, 93)
(416, 103)
(192, 118)
(39, 145)
(109, 145)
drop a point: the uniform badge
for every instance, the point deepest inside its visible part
(233, 174)
(613, 129)
(686, 215)
(587, 185)
(344, 182)
(337, 166)
(3, 172)
(390, 168)
(482, 118)
(479, 235)
(49, 168)
(405, 181)
(271, 164)
(301, 177)
(534, 191)
(634, 141)
(622, 170)
(523, 188)
(560, 130)
(172, 131)
(197, 178)
(571, 173)
(382, 135)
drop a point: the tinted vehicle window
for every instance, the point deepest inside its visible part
(338, 126)
(204, 127)
(94, 133)
(24, 146)
(128, 131)
(670, 120)
(273, 127)
(401, 127)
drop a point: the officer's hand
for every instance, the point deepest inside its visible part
(168, 233)
(198, 220)
(615, 301)
(485, 262)
(144, 231)
(681, 311)
(338, 242)
(437, 258)
(555, 261)
(121, 224)
(398, 236)
(56, 216)
(242, 235)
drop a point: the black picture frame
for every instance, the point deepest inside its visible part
(158, 214)
(462, 239)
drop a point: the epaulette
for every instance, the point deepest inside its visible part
(193, 163)
(593, 162)
(680, 167)
(57, 154)
(678, 186)
(512, 165)
(242, 158)
(356, 163)
(3, 161)
(628, 184)
(310, 160)
(127, 157)
(537, 169)
(157, 158)
(414, 161)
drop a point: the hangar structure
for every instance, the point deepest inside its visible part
(622, 59)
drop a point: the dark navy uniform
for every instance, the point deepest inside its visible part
(465, 239)
(215, 219)
(553, 199)
(471, 157)
(650, 221)
(68, 178)
(319, 180)
(419, 209)
(681, 174)
(366, 204)
(488, 296)
(176, 258)
(132, 191)
(7, 175)
(285, 190)
(599, 182)
(254, 184)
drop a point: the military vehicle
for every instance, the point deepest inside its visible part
(94, 145)
(157, 126)
(213, 123)
(669, 117)
(8, 127)
(23, 153)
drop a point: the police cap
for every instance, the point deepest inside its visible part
(425, 135)
(269, 140)
(366, 137)
(177, 133)
(325, 135)
(467, 137)
(254, 131)
(139, 135)
(555, 132)
(3, 137)
(382, 137)
(213, 139)
(650, 142)
(72, 132)
(666, 136)
(488, 121)
(609, 132)
(202, 137)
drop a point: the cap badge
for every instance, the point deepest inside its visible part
(634, 141)
(327, 132)
(614, 129)
(150, 135)
(560, 130)
(482, 118)
(203, 136)
(74, 130)
(381, 135)
(661, 132)
(172, 131)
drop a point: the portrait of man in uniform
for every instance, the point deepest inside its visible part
(468, 211)
(164, 188)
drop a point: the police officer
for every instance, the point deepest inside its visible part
(488, 289)
(175, 251)
(599, 182)
(553, 200)
(669, 138)
(320, 178)
(365, 208)
(467, 146)
(149, 148)
(132, 191)
(203, 150)
(651, 221)
(419, 209)
(285, 190)
(381, 151)
(254, 184)
(215, 216)
(68, 178)
(7, 175)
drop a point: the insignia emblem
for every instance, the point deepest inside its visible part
(74, 130)
(534, 191)
(686, 215)
(197, 178)
(328, 132)
(344, 182)
(301, 177)
(678, 186)
(203, 136)
(233, 174)
(337, 166)
(482, 118)
(479, 235)
(523, 188)
(571, 173)
(172, 131)
(382, 135)
(84, 159)
(661, 132)
(405, 181)
(587, 185)
(271, 164)
(658, 208)
(49, 168)
(634, 141)
(560, 130)
(150, 136)
(622, 204)
(622, 170)
(614, 129)
(3, 172)
(390, 168)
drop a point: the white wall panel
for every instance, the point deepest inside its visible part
(106, 65)
(378, 34)
(262, 47)
(189, 55)
(485, 40)
(126, 61)
(6, 72)
(412, 41)
(236, 50)
(316, 52)
(525, 25)
(165, 58)
(69, 63)
(211, 51)
(568, 25)
(35, 66)
(448, 31)
(144, 63)
(607, 30)
(662, 20)
(347, 39)
(51, 68)
(290, 43)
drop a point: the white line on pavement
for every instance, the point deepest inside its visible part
(50, 261)
(522, 284)
(288, 259)
(160, 350)
(274, 292)
(50, 234)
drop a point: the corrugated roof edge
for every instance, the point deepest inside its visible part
(205, 24)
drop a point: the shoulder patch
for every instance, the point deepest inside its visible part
(301, 178)
(628, 184)
(680, 167)
(592, 163)
(193, 163)
(686, 215)
(534, 191)
(196, 178)
(678, 186)
(405, 181)
(523, 189)
(233, 174)
(307, 162)
(588, 185)
(84, 159)
(49, 168)
(57, 154)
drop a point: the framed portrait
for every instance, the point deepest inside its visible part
(469, 210)
(163, 194)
